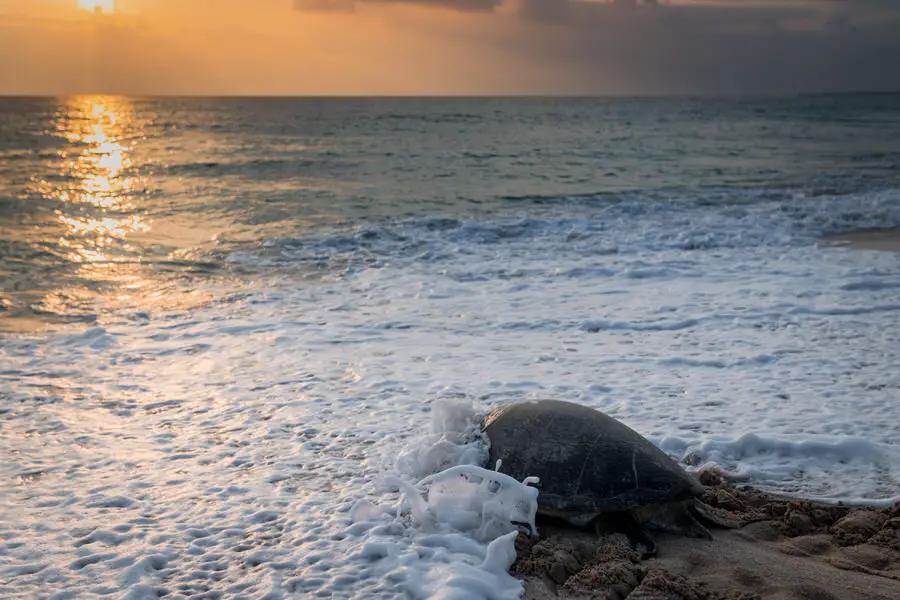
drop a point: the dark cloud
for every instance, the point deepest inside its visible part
(676, 46)
(554, 11)
(350, 5)
(727, 47)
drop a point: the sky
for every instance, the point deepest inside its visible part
(448, 47)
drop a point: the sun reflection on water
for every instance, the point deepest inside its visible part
(100, 232)
(97, 200)
(117, 262)
(97, 211)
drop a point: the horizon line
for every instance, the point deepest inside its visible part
(861, 92)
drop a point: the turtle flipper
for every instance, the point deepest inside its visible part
(673, 517)
(625, 523)
(722, 518)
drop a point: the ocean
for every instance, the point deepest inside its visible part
(232, 329)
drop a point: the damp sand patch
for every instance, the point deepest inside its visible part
(887, 240)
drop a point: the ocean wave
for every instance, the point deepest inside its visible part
(259, 169)
(431, 117)
(870, 285)
(839, 311)
(632, 223)
(596, 326)
(819, 467)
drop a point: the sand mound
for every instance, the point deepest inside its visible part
(779, 549)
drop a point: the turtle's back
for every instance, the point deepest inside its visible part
(587, 461)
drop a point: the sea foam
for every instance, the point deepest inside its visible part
(471, 511)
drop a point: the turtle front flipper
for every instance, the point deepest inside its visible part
(640, 539)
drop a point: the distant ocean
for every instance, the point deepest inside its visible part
(225, 323)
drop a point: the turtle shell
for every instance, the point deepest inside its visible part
(588, 462)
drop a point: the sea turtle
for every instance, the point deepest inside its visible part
(590, 464)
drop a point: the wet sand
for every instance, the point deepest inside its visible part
(868, 239)
(779, 549)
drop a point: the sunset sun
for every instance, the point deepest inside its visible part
(104, 6)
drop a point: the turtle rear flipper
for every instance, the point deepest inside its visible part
(672, 517)
(719, 517)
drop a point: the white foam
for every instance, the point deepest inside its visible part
(454, 438)
(490, 580)
(474, 500)
(470, 511)
(818, 467)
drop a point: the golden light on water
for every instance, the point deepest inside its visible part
(102, 234)
(101, 6)
(99, 228)
(107, 227)
(96, 214)
(90, 124)
(98, 217)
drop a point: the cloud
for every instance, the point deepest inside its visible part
(350, 5)
(550, 11)
(681, 46)
(723, 47)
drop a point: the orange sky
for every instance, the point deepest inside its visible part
(238, 47)
(263, 47)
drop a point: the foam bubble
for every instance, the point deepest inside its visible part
(490, 580)
(483, 503)
(454, 438)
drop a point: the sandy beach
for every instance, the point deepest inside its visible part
(779, 549)
(868, 239)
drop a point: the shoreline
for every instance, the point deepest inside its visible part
(779, 549)
(885, 240)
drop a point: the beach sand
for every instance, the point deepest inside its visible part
(868, 239)
(780, 549)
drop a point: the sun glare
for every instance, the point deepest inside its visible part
(99, 6)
